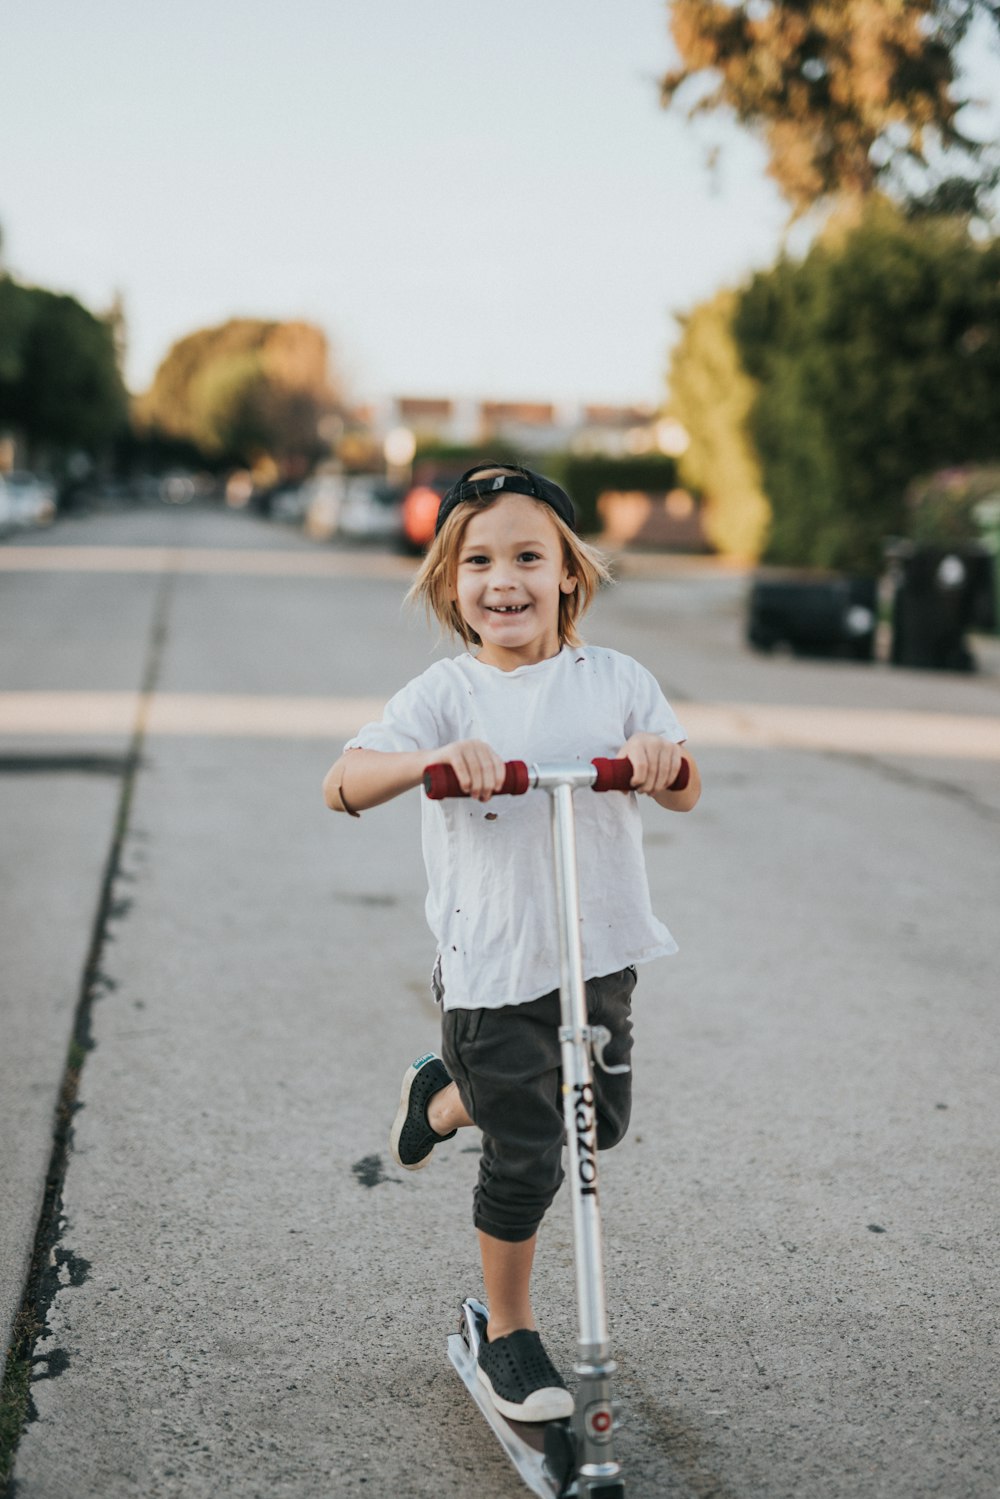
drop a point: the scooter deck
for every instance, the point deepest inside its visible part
(523, 1441)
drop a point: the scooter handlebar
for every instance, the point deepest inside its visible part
(440, 781)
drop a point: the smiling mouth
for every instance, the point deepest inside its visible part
(506, 608)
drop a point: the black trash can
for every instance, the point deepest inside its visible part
(939, 594)
(814, 614)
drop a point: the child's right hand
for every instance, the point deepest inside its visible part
(479, 769)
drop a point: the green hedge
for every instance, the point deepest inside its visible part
(587, 478)
(877, 359)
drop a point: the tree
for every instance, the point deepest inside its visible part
(60, 385)
(16, 309)
(847, 94)
(877, 359)
(244, 389)
(713, 396)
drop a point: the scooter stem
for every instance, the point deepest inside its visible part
(578, 1090)
(594, 1415)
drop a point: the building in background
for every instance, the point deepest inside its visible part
(529, 427)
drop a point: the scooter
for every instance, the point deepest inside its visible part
(574, 1458)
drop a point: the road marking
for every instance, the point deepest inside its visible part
(246, 561)
(873, 731)
(207, 714)
(876, 731)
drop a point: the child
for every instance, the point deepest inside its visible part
(508, 574)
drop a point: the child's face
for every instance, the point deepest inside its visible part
(511, 573)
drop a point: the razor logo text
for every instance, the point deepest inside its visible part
(584, 1129)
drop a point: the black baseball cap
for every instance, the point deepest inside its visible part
(517, 481)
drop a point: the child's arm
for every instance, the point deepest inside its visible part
(364, 778)
(655, 764)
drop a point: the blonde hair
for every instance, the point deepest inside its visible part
(435, 582)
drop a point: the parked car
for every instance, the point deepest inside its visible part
(370, 509)
(28, 499)
(177, 488)
(288, 503)
(324, 495)
(420, 509)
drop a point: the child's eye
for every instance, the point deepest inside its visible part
(476, 560)
(528, 557)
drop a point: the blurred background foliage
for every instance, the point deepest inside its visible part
(712, 396)
(588, 476)
(877, 359)
(817, 396)
(848, 98)
(60, 378)
(830, 384)
(244, 390)
(954, 506)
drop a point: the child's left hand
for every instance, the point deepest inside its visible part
(655, 762)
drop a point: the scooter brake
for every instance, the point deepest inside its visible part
(599, 1038)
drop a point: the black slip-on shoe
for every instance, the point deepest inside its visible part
(521, 1378)
(411, 1139)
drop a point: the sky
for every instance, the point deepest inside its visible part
(471, 198)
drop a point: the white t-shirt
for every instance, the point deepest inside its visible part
(491, 902)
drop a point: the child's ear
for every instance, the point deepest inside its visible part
(568, 583)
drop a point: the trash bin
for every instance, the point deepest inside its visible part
(938, 594)
(814, 614)
(987, 517)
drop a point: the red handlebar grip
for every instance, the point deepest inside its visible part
(616, 775)
(517, 781)
(441, 781)
(612, 775)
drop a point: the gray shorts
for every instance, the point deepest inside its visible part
(506, 1063)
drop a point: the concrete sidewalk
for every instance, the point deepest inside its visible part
(801, 1264)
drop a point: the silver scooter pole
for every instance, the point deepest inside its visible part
(593, 1420)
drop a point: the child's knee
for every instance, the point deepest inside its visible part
(519, 1175)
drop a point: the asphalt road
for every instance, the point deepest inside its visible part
(249, 1299)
